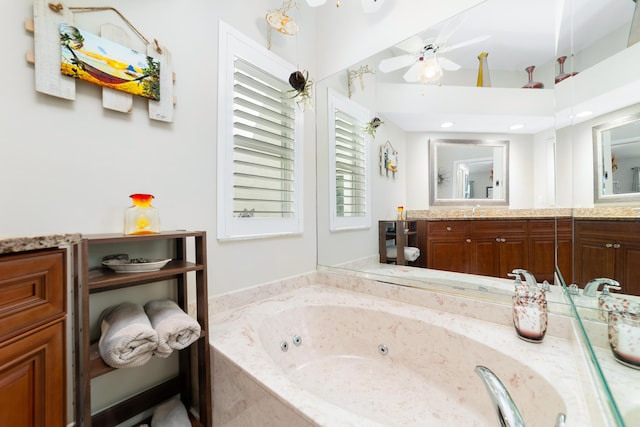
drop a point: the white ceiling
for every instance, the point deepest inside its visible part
(522, 33)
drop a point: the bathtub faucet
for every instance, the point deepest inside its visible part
(506, 409)
(508, 413)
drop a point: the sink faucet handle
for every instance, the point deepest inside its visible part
(606, 288)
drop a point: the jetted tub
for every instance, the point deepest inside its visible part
(323, 356)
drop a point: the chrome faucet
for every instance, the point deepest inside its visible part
(591, 288)
(528, 276)
(506, 409)
(473, 210)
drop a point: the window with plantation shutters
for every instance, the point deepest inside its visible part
(349, 186)
(259, 150)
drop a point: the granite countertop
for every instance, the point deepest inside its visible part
(463, 213)
(20, 244)
(487, 213)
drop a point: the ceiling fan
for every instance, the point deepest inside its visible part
(424, 58)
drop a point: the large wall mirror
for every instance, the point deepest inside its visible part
(550, 159)
(616, 154)
(469, 171)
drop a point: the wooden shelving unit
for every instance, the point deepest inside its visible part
(193, 361)
(395, 230)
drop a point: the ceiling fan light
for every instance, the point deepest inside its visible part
(430, 72)
(371, 6)
(316, 3)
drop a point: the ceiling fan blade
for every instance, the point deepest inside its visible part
(413, 73)
(464, 43)
(448, 30)
(448, 64)
(413, 44)
(395, 63)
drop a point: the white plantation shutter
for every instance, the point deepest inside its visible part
(263, 145)
(349, 174)
(350, 164)
(259, 142)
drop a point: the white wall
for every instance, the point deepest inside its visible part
(521, 167)
(69, 166)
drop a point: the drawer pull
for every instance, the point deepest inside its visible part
(497, 239)
(503, 240)
(608, 245)
(448, 228)
(468, 240)
(616, 245)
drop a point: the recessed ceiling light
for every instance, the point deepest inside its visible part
(516, 126)
(584, 114)
(446, 124)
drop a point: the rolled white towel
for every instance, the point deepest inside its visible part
(171, 413)
(176, 329)
(127, 338)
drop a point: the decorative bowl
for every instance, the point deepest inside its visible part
(134, 265)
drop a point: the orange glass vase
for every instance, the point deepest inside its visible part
(141, 218)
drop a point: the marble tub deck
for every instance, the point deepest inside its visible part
(238, 336)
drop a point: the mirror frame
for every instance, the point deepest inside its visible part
(598, 166)
(433, 168)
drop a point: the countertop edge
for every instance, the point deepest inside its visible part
(30, 243)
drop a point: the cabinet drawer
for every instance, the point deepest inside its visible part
(32, 290)
(448, 228)
(499, 227)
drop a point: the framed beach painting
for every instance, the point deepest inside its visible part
(94, 59)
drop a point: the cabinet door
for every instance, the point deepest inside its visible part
(513, 254)
(448, 254)
(627, 267)
(484, 256)
(593, 258)
(542, 257)
(32, 381)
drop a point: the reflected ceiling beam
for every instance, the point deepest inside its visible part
(423, 108)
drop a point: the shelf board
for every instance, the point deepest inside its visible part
(122, 238)
(103, 279)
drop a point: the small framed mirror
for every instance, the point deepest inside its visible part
(467, 172)
(616, 148)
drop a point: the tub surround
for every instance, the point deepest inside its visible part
(20, 244)
(238, 317)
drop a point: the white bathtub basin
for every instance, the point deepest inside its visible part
(338, 377)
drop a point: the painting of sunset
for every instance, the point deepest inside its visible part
(88, 57)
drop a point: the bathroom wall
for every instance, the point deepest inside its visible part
(521, 169)
(69, 166)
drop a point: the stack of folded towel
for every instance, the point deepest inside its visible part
(176, 329)
(132, 334)
(410, 253)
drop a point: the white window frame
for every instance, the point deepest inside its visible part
(342, 103)
(233, 44)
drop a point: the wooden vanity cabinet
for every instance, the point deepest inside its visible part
(495, 247)
(32, 338)
(608, 248)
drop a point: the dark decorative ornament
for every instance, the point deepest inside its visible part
(299, 81)
(372, 126)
